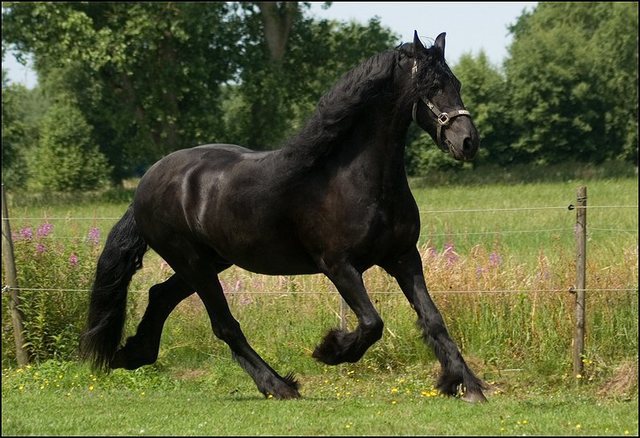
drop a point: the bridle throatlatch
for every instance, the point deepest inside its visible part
(443, 119)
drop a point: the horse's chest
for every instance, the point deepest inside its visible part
(389, 228)
(364, 227)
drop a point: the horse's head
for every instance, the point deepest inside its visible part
(437, 106)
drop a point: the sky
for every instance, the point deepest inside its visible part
(470, 27)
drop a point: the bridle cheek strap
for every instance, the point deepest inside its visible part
(443, 119)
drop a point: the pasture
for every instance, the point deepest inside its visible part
(499, 261)
(349, 401)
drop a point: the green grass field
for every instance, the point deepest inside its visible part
(344, 400)
(499, 260)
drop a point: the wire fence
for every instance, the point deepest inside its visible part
(399, 293)
(460, 210)
(459, 233)
(578, 288)
(422, 212)
(453, 233)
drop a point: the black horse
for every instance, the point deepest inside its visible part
(334, 200)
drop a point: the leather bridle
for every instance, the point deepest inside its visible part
(443, 119)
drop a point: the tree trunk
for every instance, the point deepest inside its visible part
(278, 19)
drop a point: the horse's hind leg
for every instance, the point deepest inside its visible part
(340, 346)
(455, 372)
(228, 329)
(200, 271)
(142, 348)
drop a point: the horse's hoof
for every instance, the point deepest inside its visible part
(287, 393)
(283, 388)
(474, 397)
(119, 360)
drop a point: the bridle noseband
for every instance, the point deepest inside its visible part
(443, 119)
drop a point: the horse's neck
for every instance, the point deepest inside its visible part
(374, 142)
(380, 145)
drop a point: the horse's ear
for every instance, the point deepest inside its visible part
(440, 42)
(417, 44)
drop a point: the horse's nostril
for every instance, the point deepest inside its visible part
(467, 144)
(469, 148)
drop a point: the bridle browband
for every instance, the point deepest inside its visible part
(443, 119)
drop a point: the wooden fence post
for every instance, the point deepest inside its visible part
(581, 265)
(12, 283)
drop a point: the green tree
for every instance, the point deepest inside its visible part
(290, 60)
(572, 79)
(146, 75)
(13, 132)
(485, 95)
(22, 111)
(155, 77)
(66, 158)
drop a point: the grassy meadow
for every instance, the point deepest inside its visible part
(499, 260)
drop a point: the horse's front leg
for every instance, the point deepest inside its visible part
(338, 345)
(407, 270)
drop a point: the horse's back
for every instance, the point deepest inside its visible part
(208, 160)
(233, 148)
(227, 198)
(176, 186)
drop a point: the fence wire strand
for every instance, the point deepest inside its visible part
(399, 293)
(462, 210)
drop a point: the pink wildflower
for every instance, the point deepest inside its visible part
(94, 235)
(26, 233)
(45, 229)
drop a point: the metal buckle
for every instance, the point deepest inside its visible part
(443, 119)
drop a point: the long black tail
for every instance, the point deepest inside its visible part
(120, 259)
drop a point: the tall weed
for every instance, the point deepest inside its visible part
(55, 274)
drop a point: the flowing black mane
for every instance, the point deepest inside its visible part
(338, 108)
(355, 90)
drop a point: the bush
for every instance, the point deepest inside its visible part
(66, 159)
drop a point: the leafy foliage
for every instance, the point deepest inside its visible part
(22, 110)
(273, 98)
(147, 75)
(150, 78)
(572, 82)
(66, 158)
(484, 94)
